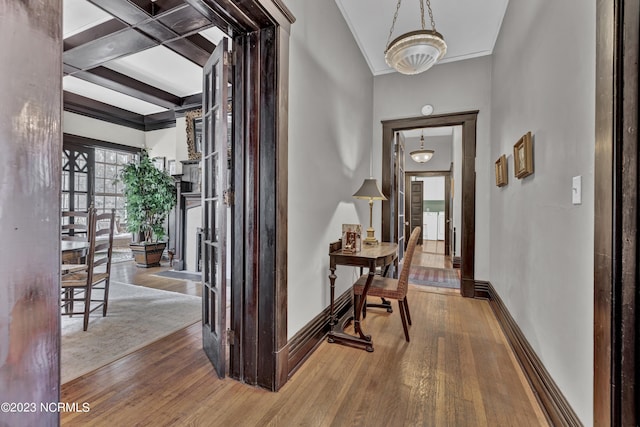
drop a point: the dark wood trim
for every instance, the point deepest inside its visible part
(305, 342)
(468, 120)
(124, 84)
(108, 113)
(616, 355)
(553, 402)
(83, 141)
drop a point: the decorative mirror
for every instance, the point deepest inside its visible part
(194, 134)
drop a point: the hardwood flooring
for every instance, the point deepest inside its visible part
(458, 370)
(127, 272)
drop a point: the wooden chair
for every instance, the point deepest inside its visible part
(75, 225)
(387, 287)
(82, 280)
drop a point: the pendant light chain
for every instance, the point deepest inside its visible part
(422, 14)
(433, 23)
(393, 24)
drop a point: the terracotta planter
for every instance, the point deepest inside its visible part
(147, 254)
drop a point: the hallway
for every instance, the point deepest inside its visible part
(431, 267)
(458, 370)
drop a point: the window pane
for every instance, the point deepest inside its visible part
(109, 202)
(80, 182)
(110, 171)
(99, 155)
(111, 157)
(99, 170)
(99, 185)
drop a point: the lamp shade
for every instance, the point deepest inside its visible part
(369, 190)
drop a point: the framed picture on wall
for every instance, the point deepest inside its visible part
(523, 156)
(171, 167)
(501, 171)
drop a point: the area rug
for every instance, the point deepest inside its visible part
(430, 276)
(137, 316)
(182, 275)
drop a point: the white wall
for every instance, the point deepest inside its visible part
(330, 101)
(161, 143)
(542, 246)
(451, 87)
(77, 124)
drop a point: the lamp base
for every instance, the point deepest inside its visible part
(370, 239)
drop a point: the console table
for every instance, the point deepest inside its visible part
(371, 256)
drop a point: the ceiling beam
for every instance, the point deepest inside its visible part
(99, 110)
(129, 86)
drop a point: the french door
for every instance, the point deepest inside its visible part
(77, 182)
(215, 197)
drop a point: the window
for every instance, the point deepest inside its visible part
(109, 191)
(91, 175)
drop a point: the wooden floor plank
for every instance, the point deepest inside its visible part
(457, 370)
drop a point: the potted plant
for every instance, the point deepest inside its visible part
(150, 195)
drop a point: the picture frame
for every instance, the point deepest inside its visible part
(523, 156)
(351, 238)
(159, 163)
(171, 167)
(502, 178)
(194, 134)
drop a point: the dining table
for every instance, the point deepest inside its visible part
(73, 250)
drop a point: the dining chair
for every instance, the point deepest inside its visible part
(388, 287)
(75, 225)
(79, 284)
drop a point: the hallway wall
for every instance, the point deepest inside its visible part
(330, 99)
(542, 245)
(450, 87)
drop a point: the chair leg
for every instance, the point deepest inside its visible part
(406, 309)
(403, 315)
(87, 306)
(106, 298)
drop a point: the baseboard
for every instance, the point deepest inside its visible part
(304, 343)
(553, 402)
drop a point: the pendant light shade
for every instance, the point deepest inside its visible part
(416, 51)
(422, 155)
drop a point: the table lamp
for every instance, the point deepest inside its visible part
(370, 190)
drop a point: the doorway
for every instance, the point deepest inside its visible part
(467, 121)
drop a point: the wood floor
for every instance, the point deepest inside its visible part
(458, 370)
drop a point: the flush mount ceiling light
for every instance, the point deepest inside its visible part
(422, 155)
(415, 51)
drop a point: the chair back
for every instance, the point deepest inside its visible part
(101, 249)
(403, 280)
(75, 226)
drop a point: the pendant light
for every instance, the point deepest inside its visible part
(415, 51)
(422, 155)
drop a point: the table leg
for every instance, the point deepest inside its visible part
(357, 303)
(332, 279)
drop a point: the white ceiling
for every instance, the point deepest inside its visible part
(158, 66)
(469, 27)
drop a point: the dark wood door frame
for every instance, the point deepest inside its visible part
(260, 80)
(468, 121)
(447, 195)
(616, 355)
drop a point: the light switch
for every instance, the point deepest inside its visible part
(576, 190)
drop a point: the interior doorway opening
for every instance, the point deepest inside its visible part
(465, 185)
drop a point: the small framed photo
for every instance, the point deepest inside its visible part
(351, 238)
(502, 178)
(523, 157)
(171, 166)
(159, 163)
